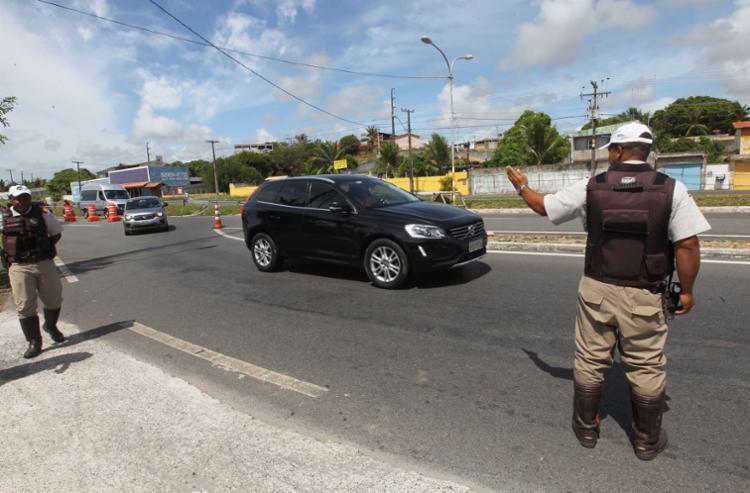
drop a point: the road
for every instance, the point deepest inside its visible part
(723, 225)
(467, 373)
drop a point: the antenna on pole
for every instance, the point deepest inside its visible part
(593, 114)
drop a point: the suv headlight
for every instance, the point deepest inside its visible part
(128, 217)
(426, 231)
(159, 214)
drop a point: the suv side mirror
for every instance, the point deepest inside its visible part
(340, 207)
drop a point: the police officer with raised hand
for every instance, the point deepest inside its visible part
(639, 222)
(29, 238)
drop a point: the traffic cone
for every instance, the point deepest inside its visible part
(69, 215)
(217, 217)
(112, 216)
(92, 217)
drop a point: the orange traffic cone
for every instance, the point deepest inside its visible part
(92, 217)
(217, 217)
(69, 215)
(112, 216)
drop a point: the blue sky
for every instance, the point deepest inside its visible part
(97, 92)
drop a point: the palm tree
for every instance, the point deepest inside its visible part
(325, 153)
(301, 139)
(373, 136)
(545, 143)
(438, 152)
(634, 114)
(389, 159)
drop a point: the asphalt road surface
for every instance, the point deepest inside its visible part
(727, 225)
(467, 373)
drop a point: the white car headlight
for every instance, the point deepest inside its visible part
(426, 231)
(159, 214)
(128, 217)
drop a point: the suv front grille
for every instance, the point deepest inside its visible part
(467, 230)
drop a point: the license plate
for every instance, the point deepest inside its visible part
(475, 245)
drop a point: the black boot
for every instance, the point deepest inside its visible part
(50, 324)
(586, 413)
(30, 328)
(649, 439)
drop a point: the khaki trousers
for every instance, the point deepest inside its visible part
(28, 279)
(631, 318)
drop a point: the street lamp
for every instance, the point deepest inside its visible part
(428, 40)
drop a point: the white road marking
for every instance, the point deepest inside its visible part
(232, 364)
(581, 233)
(225, 235)
(67, 275)
(555, 254)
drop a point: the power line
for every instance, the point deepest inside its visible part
(264, 57)
(257, 74)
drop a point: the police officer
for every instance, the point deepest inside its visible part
(29, 238)
(639, 222)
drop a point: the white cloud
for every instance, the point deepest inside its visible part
(160, 93)
(720, 46)
(238, 31)
(149, 126)
(263, 135)
(556, 35)
(287, 10)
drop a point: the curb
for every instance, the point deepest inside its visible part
(577, 248)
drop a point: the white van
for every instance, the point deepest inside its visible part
(101, 195)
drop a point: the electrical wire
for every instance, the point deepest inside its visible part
(255, 55)
(254, 72)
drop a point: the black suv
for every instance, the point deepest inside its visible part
(359, 220)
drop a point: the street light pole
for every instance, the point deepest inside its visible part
(213, 153)
(78, 170)
(428, 40)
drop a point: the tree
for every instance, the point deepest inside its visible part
(532, 140)
(390, 159)
(6, 106)
(373, 137)
(711, 148)
(324, 154)
(438, 153)
(698, 115)
(629, 115)
(349, 145)
(60, 183)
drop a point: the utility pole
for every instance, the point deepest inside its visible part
(411, 158)
(11, 175)
(216, 179)
(148, 154)
(593, 111)
(393, 116)
(22, 182)
(78, 168)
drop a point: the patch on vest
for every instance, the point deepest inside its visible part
(627, 180)
(34, 221)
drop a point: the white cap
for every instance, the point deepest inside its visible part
(630, 133)
(17, 190)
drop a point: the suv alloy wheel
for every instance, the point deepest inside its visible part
(386, 264)
(265, 253)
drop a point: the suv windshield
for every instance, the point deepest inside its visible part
(370, 194)
(116, 194)
(149, 203)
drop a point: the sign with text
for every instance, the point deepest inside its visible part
(339, 164)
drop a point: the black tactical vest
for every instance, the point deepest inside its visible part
(627, 216)
(25, 237)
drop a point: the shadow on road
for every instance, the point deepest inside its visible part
(615, 397)
(83, 266)
(427, 280)
(59, 363)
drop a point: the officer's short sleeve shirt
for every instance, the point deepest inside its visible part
(686, 219)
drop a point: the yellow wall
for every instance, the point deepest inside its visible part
(432, 183)
(243, 192)
(742, 176)
(745, 141)
(421, 184)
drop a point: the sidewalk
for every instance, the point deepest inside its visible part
(84, 416)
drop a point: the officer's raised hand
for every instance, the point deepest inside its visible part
(520, 182)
